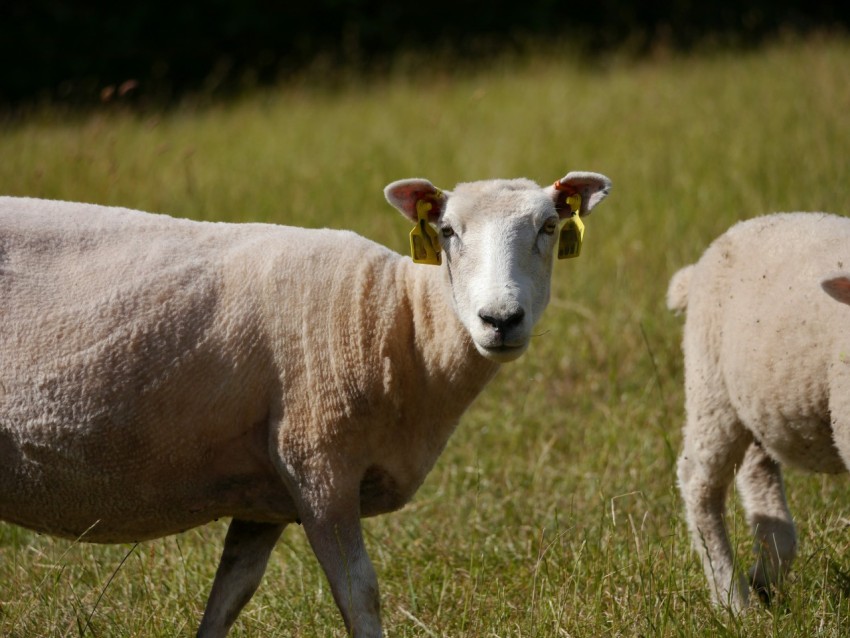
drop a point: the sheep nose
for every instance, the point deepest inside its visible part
(502, 324)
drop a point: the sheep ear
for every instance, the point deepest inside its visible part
(837, 287)
(405, 194)
(591, 188)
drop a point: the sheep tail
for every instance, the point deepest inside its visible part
(677, 292)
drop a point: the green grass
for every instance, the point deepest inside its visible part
(553, 511)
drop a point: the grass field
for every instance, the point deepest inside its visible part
(553, 511)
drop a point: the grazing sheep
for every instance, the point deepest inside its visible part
(157, 374)
(767, 380)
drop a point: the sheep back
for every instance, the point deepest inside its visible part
(761, 335)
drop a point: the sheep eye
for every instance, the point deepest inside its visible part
(447, 231)
(550, 226)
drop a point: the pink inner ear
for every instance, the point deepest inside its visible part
(407, 195)
(593, 188)
(437, 206)
(565, 187)
(838, 288)
(559, 196)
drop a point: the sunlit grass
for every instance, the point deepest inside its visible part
(553, 511)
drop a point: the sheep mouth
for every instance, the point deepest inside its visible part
(502, 353)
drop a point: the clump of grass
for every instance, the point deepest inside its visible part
(553, 511)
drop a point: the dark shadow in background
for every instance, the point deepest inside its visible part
(80, 52)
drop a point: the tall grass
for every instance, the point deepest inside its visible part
(553, 511)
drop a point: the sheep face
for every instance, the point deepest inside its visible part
(498, 238)
(498, 245)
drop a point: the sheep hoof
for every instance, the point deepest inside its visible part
(765, 593)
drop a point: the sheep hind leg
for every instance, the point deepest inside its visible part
(762, 493)
(713, 448)
(247, 548)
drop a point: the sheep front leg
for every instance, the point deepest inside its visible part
(336, 537)
(247, 548)
(763, 496)
(713, 448)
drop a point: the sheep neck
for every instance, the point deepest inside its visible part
(453, 372)
(393, 372)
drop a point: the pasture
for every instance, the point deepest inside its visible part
(553, 510)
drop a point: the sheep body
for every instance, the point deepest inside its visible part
(158, 373)
(140, 379)
(766, 383)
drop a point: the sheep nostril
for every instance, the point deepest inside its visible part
(501, 324)
(515, 319)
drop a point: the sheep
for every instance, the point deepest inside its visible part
(767, 383)
(160, 373)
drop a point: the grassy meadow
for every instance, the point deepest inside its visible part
(553, 511)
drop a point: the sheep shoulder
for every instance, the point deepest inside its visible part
(375, 369)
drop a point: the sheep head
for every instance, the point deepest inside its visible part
(498, 238)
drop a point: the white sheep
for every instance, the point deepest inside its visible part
(157, 373)
(767, 381)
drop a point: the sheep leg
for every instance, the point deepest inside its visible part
(337, 541)
(247, 548)
(763, 495)
(714, 445)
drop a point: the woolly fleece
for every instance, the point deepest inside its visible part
(767, 376)
(141, 381)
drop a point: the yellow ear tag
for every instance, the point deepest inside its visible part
(424, 245)
(572, 232)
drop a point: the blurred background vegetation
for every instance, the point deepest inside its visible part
(81, 52)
